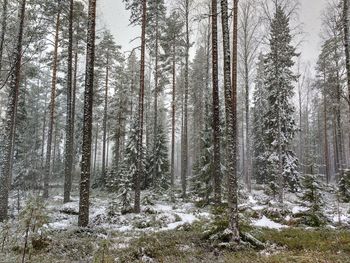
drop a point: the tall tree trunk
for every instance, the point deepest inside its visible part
(83, 219)
(216, 104)
(104, 141)
(43, 134)
(231, 114)
(247, 127)
(74, 95)
(155, 124)
(52, 109)
(347, 51)
(3, 31)
(9, 128)
(184, 168)
(173, 119)
(69, 119)
(95, 152)
(325, 128)
(139, 174)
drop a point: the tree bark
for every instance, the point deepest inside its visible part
(325, 126)
(10, 120)
(69, 118)
(173, 119)
(139, 174)
(184, 168)
(231, 114)
(216, 105)
(104, 141)
(155, 124)
(3, 31)
(52, 109)
(347, 51)
(83, 219)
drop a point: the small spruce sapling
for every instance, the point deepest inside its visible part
(344, 187)
(32, 219)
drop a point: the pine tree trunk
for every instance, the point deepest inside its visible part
(69, 119)
(184, 149)
(10, 120)
(231, 114)
(95, 152)
(43, 134)
(247, 127)
(104, 141)
(52, 110)
(155, 123)
(326, 154)
(216, 105)
(83, 219)
(3, 31)
(347, 51)
(139, 174)
(173, 119)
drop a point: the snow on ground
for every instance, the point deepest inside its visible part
(159, 216)
(268, 223)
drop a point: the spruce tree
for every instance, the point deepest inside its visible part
(158, 164)
(258, 132)
(344, 186)
(279, 124)
(202, 180)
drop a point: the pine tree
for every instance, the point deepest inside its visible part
(83, 219)
(230, 89)
(69, 118)
(173, 46)
(48, 167)
(279, 124)
(138, 10)
(216, 103)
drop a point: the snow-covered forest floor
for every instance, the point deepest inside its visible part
(192, 233)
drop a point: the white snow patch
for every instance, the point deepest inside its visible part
(268, 223)
(297, 209)
(343, 218)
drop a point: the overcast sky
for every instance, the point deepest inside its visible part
(112, 15)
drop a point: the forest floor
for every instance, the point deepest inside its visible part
(180, 231)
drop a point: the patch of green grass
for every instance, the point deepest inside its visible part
(296, 245)
(297, 239)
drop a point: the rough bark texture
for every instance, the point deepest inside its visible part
(184, 148)
(69, 118)
(231, 115)
(83, 219)
(105, 111)
(346, 47)
(172, 167)
(3, 30)
(325, 128)
(139, 174)
(155, 123)
(9, 130)
(52, 109)
(216, 105)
